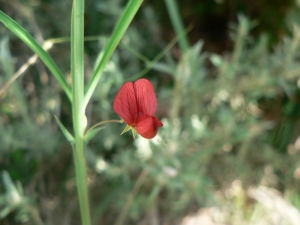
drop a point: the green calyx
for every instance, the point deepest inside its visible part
(127, 128)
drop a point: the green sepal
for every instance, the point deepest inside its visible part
(127, 128)
(134, 133)
(88, 136)
(67, 134)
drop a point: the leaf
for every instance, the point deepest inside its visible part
(67, 134)
(119, 31)
(19, 31)
(88, 136)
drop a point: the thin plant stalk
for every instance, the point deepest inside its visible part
(78, 108)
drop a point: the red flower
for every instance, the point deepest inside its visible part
(136, 104)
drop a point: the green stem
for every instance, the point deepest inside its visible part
(177, 24)
(78, 107)
(81, 178)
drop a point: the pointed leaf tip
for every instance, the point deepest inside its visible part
(67, 134)
(127, 128)
(88, 136)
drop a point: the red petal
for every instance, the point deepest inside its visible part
(145, 96)
(125, 103)
(147, 126)
(159, 123)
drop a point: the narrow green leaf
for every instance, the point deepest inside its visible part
(117, 35)
(19, 31)
(67, 134)
(91, 134)
(177, 23)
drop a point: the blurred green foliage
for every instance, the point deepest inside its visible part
(229, 113)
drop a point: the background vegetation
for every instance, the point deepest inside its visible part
(229, 101)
